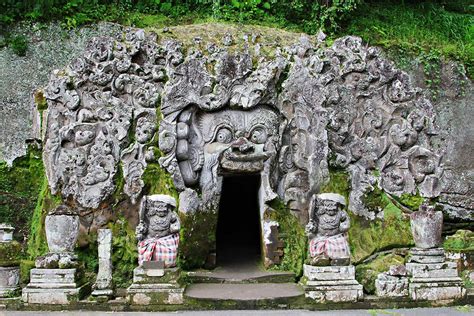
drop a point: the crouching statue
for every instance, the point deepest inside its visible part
(327, 231)
(158, 230)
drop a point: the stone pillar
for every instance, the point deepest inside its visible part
(103, 286)
(9, 262)
(57, 277)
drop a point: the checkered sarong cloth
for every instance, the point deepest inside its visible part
(159, 249)
(334, 247)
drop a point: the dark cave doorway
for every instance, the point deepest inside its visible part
(238, 237)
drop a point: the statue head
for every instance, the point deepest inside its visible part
(330, 203)
(158, 204)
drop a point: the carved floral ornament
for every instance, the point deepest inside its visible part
(283, 118)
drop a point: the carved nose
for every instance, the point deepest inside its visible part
(242, 145)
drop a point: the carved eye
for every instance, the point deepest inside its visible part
(258, 136)
(224, 135)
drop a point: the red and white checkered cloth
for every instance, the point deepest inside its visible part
(334, 246)
(159, 249)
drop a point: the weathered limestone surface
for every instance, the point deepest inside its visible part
(9, 280)
(155, 286)
(331, 284)
(49, 47)
(53, 286)
(392, 283)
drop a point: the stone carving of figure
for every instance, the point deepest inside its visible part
(158, 230)
(327, 231)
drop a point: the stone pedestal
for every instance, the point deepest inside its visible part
(391, 286)
(331, 284)
(155, 286)
(9, 279)
(432, 278)
(53, 286)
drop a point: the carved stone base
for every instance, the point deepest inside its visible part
(9, 280)
(391, 286)
(53, 286)
(433, 280)
(155, 286)
(331, 284)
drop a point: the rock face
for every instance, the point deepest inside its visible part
(288, 118)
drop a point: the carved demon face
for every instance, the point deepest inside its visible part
(227, 141)
(243, 139)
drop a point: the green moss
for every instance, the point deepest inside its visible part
(197, 238)
(367, 273)
(88, 255)
(40, 100)
(367, 237)
(158, 181)
(20, 185)
(37, 245)
(124, 252)
(10, 254)
(25, 267)
(463, 240)
(293, 235)
(339, 182)
(413, 202)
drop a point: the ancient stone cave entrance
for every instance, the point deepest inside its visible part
(238, 228)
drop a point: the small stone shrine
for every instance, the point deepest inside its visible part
(329, 275)
(156, 279)
(57, 277)
(432, 277)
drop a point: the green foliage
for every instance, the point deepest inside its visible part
(338, 183)
(124, 252)
(25, 267)
(293, 235)
(18, 43)
(413, 28)
(463, 240)
(367, 273)
(20, 186)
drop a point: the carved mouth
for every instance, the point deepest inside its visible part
(250, 162)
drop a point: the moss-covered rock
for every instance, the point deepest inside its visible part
(462, 240)
(368, 237)
(25, 267)
(366, 273)
(124, 252)
(198, 238)
(20, 185)
(10, 254)
(292, 233)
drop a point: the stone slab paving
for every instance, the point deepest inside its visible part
(442, 311)
(241, 292)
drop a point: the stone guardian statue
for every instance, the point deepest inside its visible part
(327, 231)
(158, 230)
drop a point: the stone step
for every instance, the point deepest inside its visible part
(244, 292)
(240, 276)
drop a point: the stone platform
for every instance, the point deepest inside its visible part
(155, 286)
(53, 286)
(331, 284)
(433, 278)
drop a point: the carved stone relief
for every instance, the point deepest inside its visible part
(289, 118)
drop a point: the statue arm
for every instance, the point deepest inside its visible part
(345, 222)
(175, 224)
(311, 229)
